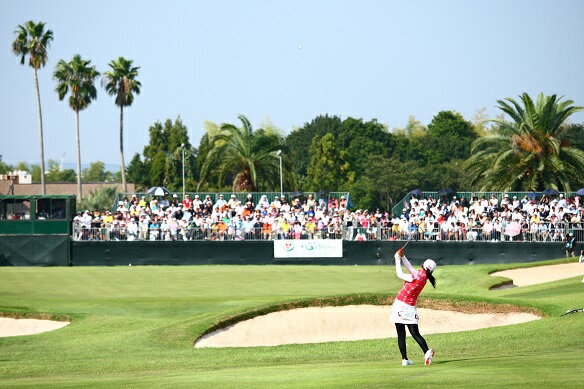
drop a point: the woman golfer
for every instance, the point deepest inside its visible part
(403, 312)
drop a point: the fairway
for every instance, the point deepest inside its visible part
(135, 327)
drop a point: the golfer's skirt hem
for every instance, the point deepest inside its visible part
(403, 313)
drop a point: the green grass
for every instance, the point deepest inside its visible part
(135, 327)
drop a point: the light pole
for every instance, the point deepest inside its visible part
(183, 168)
(279, 154)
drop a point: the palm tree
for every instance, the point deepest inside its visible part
(530, 152)
(77, 78)
(250, 156)
(33, 40)
(121, 82)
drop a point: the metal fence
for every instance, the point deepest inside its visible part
(82, 233)
(537, 232)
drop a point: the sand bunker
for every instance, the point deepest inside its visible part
(345, 323)
(541, 274)
(17, 327)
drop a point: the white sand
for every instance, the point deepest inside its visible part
(17, 327)
(541, 274)
(353, 322)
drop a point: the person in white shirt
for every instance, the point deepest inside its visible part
(221, 202)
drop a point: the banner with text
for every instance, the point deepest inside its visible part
(308, 248)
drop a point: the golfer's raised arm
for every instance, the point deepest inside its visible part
(398, 269)
(408, 265)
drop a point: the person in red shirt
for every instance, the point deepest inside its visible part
(403, 312)
(187, 201)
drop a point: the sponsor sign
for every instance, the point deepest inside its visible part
(308, 248)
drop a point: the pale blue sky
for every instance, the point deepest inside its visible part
(212, 60)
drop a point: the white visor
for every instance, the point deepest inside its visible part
(429, 265)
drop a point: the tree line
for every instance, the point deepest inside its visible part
(531, 145)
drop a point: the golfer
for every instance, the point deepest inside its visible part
(403, 312)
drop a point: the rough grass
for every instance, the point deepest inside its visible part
(135, 327)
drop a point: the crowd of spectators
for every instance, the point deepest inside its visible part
(510, 218)
(494, 219)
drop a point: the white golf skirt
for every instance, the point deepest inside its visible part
(403, 313)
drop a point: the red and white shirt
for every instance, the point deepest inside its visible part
(411, 290)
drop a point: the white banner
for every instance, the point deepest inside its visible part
(308, 248)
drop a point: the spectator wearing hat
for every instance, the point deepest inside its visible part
(197, 203)
(187, 201)
(174, 202)
(221, 202)
(232, 203)
(570, 245)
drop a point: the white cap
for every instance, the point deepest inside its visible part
(429, 265)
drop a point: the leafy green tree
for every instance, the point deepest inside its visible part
(56, 174)
(575, 135)
(449, 136)
(162, 164)
(359, 140)
(531, 151)
(120, 81)
(33, 41)
(76, 78)
(157, 169)
(328, 169)
(24, 166)
(300, 140)
(246, 155)
(4, 168)
(35, 172)
(387, 181)
(96, 172)
(100, 199)
(138, 172)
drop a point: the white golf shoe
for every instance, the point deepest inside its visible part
(407, 362)
(428, 357)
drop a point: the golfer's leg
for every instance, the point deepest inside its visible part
(401, 339)
(416, 335)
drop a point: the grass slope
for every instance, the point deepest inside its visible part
(134, 327)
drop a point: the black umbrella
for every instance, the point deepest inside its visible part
(416, 192)
(532, 195)
(580, 192)
(158, 191)
(550, 192)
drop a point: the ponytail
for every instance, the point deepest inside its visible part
(431, 278)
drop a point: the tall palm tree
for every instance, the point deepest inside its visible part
(248, 155)
(531, 151)
(121, 82)
(77, 78)
(32, 40)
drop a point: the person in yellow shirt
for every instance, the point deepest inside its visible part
(142, 202)
(108, 218)
(310, 228)
(285, 228)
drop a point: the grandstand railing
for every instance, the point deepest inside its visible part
(536, 232)
(242, 196)
(398, 208)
